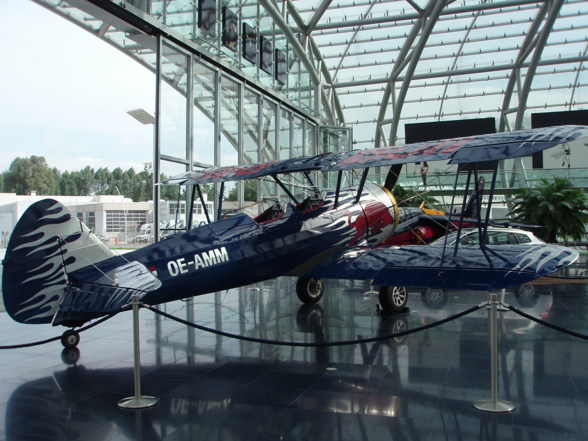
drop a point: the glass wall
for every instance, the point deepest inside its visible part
(208, 118)
(243, 34)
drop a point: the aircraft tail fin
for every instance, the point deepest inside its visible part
(47, 241)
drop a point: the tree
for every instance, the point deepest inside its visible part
(249, 191)
(67, 185)
(30, 174)
(411, 198)
(85, 181)
(558, 206)
(100, 184)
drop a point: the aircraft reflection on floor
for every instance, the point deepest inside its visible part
(418, 387)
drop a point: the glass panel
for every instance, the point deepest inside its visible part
(204, 108)
(310, 140)
(284, 151)
(251, 126)
(229, 113)
(268, 147)
(297, 137)
(266, 41)
(173, 103)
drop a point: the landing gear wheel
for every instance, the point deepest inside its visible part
(70, 339)
(393, 299)
(309, 290)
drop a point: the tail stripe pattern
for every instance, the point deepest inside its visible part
(47, 241)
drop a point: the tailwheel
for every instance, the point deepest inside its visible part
(310, 290)
(70, 339)
(393, 299)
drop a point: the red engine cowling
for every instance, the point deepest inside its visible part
(380, 211)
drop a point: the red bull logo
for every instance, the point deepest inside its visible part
(376, 220)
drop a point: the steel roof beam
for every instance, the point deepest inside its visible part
(577, 80)
(477, 70)
(540, 45)
(416, 16)
(432, 14)
(332, 98)
(320, 11)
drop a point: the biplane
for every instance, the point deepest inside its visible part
(56, 271)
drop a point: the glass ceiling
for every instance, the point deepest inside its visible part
(377, 65)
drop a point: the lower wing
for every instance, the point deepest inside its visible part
(485, 268)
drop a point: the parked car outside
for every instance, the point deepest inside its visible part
(495, 236)
(526, 294)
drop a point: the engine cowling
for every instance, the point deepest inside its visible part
(381, 213)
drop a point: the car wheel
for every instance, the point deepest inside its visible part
(393, 299)
(310, 290)
(434, 297)
(526, 295)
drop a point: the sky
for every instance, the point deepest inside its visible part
(64, 94)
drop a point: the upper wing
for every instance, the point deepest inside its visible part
(490, 147)
(484, 268)
(250, 171)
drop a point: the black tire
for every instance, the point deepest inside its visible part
(309, 290)
(70, 339)
(393, 299)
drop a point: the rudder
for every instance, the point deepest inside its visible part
(47, 241)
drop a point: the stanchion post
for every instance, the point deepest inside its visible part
(138, 401)
(494, 404)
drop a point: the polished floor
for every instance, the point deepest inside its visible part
(418, 387)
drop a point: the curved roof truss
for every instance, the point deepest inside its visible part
(375, 65)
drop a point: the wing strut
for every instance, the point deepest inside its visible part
(361, 184)
(449, 220)
(201, 196)
(490, 197)
(392, 176)
(220, 201)
(339, 179)
(461, 214)
(283, 187)
(192, 195)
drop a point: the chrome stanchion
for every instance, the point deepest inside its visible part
(494, 404)
(138, 401)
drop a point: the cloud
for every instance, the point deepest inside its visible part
(65, 95)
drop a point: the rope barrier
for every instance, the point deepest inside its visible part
(302, 344)
(49, 340)
(544, 323)
(323, 344)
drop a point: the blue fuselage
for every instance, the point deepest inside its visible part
(240, 250)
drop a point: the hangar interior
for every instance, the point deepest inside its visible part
(253, 81)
